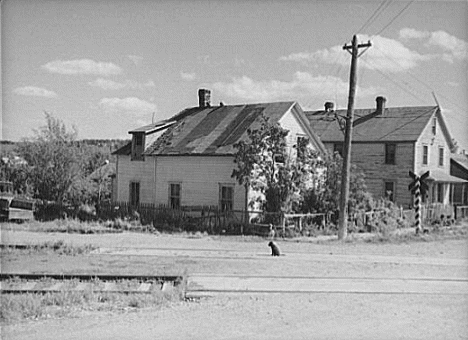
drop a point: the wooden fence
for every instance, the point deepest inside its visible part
(189, 218)
(212, 220)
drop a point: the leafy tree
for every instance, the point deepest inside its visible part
(52, 160)
(266, 165)
(16, 170)
(326, 196)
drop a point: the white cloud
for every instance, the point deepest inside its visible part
(136, 59)
(188, 76)
(108, 84)
(452, 47)
(35, 91)
(82, 66)
(385, 54)
(411, 33)
(129, 104)
(303, 86)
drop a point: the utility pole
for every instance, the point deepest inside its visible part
(343, 222)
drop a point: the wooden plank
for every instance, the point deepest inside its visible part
(55, 287)
(144, 287)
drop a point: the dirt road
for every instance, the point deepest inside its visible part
(386, 291)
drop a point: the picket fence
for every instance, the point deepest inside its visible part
(188, 218)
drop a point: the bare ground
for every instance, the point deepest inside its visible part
(256, 316)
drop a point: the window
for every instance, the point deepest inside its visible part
(390, 151)
(138, 139)
(434, 126)
(301, 145)
(137, 147)
(441, 156)
(425, 154)
(338, 147)
(174, 195)
(440, 193)
(389, 190)
(134, 194)
(226, 197)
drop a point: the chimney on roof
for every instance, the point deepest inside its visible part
(329, 106)
(380, 109)
(204, 97)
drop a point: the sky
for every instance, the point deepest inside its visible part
(106, 67)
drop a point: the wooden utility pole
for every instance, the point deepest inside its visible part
(343, 222)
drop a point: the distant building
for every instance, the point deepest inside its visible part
(187, 160)
(389, 142)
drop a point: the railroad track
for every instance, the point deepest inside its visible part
(52, 283)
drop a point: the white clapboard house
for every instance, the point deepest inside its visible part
(188, 160)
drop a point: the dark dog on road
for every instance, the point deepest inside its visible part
(274, 249)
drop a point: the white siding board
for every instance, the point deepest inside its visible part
(433, 142)
(136, 171)
(200, 178)
(290, 123)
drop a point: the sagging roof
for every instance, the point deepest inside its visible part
(214, 130)
(440, 176)
(394, 124)
(460, 159)
(150, 128)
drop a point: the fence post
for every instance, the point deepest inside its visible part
(283, 224)
(242, 222)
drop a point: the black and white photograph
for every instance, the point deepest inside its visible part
(234, 169)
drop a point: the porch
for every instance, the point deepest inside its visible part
(446, 189)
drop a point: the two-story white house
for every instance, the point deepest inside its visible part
(387, 143)
(188, 160)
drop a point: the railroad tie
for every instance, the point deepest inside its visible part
(82, 286)
(55, 287)
(109, 287)
(144, 287)
(167, 285)
(27, 286)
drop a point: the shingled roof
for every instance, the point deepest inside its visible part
(397, 124)
(214, 130)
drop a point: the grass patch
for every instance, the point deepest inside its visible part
(455, 232)
(57, 247)
(34, 306)
(70, 226)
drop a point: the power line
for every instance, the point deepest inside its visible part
(394, 18)
(402, 126)
(375, 15)
(417, 79)
(390, 79)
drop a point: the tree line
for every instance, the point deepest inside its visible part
(55, 166)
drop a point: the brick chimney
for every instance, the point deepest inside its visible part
(329, 107)
(204, 97)
(380, 109)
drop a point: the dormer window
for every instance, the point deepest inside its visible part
(138, 142)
